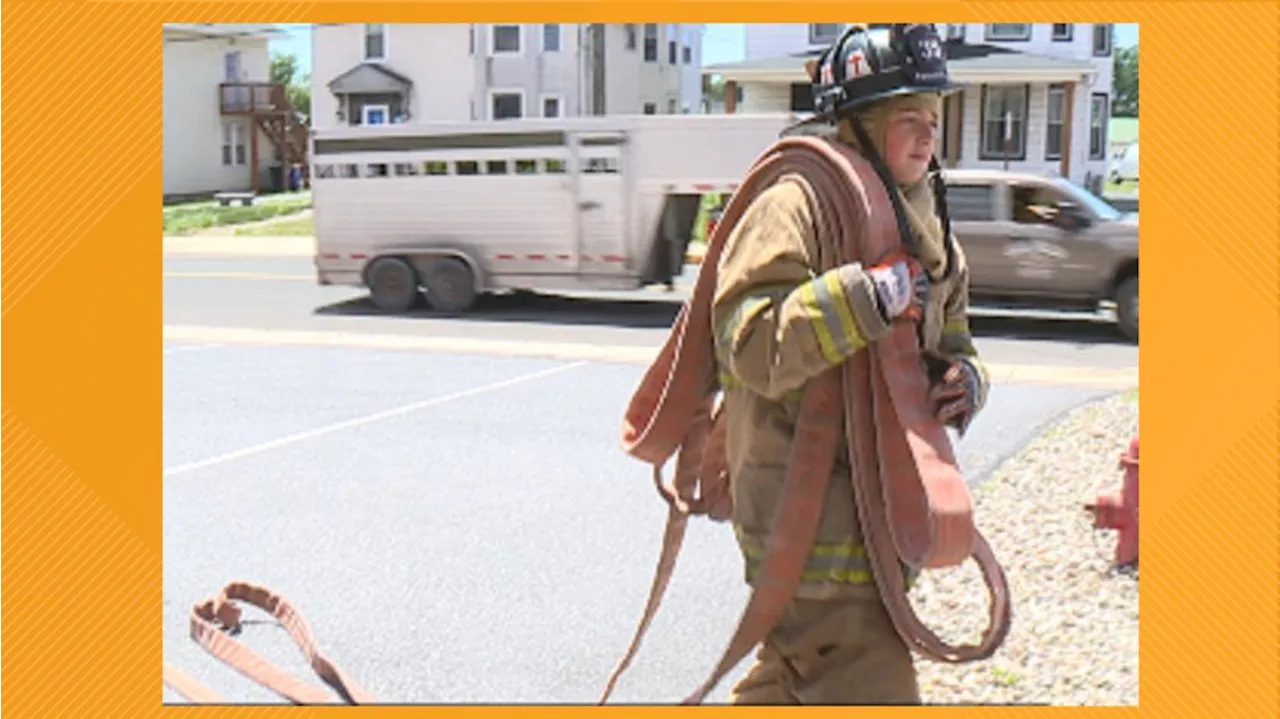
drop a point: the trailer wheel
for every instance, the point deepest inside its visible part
(393, 284)
(450, 284)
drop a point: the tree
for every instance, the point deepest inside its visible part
(713, 88)
(284, 70)
(1126, 83)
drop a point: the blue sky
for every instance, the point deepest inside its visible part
(721, 43)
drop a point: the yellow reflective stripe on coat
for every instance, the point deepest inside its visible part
(836, 563)
(845, 563)
(957, 337)
(956, 326)
(827, 308)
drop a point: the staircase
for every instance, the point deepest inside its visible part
(267, 105)
(290, 141)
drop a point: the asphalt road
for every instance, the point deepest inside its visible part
(281, 294)
(463, 528)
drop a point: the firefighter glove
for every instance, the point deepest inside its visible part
(901, 286)
(955, 394)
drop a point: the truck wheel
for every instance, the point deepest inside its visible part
(393, 284)
(1127, 307)
(450, 283)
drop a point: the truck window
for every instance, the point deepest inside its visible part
(970, 203)
(1036, 204)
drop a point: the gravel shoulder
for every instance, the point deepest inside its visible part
(1074, 634)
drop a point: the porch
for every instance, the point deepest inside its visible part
(1028, 100)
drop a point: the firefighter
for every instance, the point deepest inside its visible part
(780, 322)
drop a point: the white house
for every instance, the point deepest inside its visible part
(221, 114)
(1051, 81)
(368, 73)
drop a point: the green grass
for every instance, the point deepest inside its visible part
(192, 217)
(288, 227)
(1004, 676)
(699, 235)
(1124, 187)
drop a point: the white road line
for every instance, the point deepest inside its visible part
(191, 348)
(367, 419)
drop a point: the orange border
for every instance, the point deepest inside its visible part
(81, 305)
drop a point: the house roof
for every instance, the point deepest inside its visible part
(966, 62)
(225, 29)
(369, 77)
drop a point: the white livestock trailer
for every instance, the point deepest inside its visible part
(579, 203)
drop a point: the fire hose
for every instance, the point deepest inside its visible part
(913, 504)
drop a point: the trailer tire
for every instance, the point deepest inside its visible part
(450, 284)
(393, 284)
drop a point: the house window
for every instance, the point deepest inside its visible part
(673, 45)
(1062, 31)
(374, 114)
(230, 133)
(1004, 108)
(1035, 204)
(1055, 111)
(231, 66)
(970, 203)
(955, 31)
(375, 41)
(1102, 39)
(233, 144)
(687, 53)
(651, 108)
(506, 39)
(551, 38)
(1009, 31)
(551, 106)
(650, 42)
(631, 36)
(506, 105)
(823, 33)
(1098, 126)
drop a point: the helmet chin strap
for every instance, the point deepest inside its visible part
(939, 186)
(904, 228)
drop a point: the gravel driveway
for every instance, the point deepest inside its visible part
(1074, 636)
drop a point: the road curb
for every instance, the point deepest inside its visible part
(240, 246)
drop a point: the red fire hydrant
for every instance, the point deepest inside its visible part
(1120, 512)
